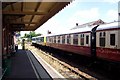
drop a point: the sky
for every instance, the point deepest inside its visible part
(80, 11)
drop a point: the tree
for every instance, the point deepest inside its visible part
(31, 34)
(38, 34)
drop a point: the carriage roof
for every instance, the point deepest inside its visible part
(86, 29)
(89, 28)
(109, 26)
(37, 36)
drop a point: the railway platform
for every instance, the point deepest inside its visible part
(24, 66)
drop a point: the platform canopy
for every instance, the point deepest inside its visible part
(28, 16)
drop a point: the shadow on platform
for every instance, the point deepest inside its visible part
(21, 67)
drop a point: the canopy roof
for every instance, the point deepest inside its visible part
(28, 16)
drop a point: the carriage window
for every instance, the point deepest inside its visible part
(102, 39)
(82, 39)
(102, 42)
(68, 39)
(75, 39)
(63, 39)
(112, 39)
(100, 34)
(87, 39)
(104, 34)
(38, 39)
(58, 39)
(42, 39)
(83, 35)
(33, 39)
(50, 39)
(54, 39)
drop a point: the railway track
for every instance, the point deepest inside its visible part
(99, 69)
(69, 72)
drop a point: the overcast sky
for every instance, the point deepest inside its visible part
(80, 11)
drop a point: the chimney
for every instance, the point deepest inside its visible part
(49, 32)
(76, 24)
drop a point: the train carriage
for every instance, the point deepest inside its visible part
(100, 41)
(72, 41)
(107, 42)
(41, 40)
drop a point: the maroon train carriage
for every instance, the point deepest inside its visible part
(98, 41)
(108, 42)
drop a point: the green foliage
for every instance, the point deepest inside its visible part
(31, 34)
(38, 34)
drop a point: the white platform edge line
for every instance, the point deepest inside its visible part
(37, 56)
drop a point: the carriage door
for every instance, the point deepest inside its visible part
(93, 42)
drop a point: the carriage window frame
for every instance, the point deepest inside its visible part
(54, 39)
(63, 39)
(83, 35)
(87, 39)
(59, 39)
(68, 39)
(104, 34)
(42, 39)
(102, 39)
(112, 39)
(100, 34)
(82, 40)
(75, 39)
(50, 39)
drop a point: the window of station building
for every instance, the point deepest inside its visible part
(63, 39)
(75, 39)
(68, 39)
(87, 39)
(82, 39)
(112, 39)
(102, 39)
